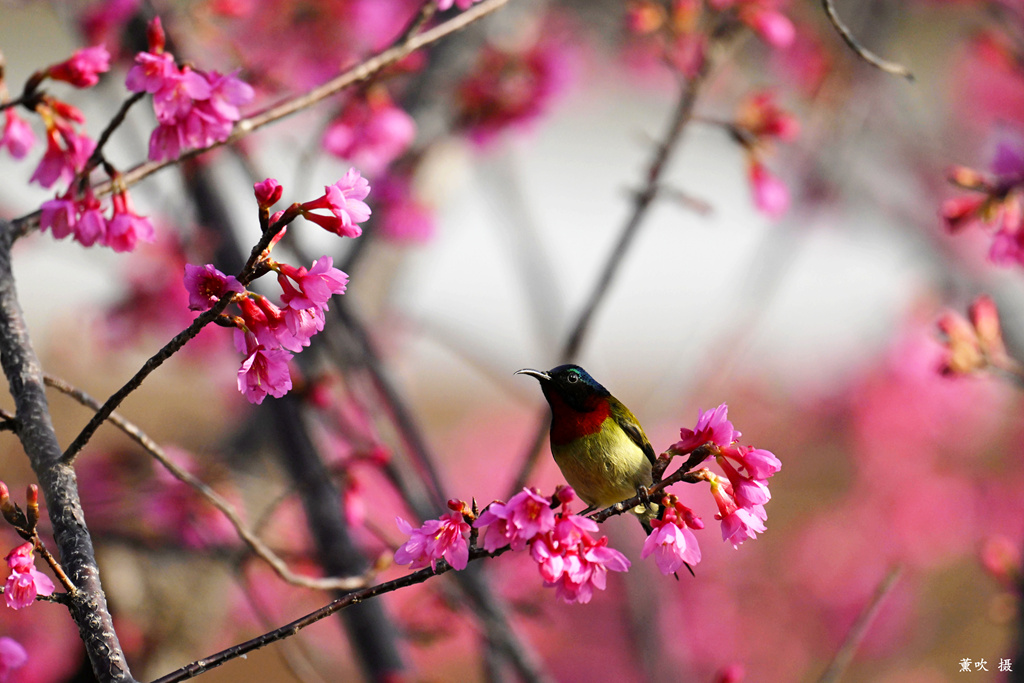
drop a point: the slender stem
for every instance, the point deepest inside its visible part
(861, 51)
(844, 655)
(200, 666)
(88, 605)
(173, 346)
(255, 543)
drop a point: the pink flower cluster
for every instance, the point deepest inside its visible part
(67, 150)
(677, 35)
(25, 581)
(569, 559)
(193, 108)
(759, 122)
(265, 332)
(672, 541)
(447, 538)
(764, 17)
(996, 203)
(83, 68)
(84, 220)
(17, 136)
(743, 491)
(512, 88)
(976, 343)
(370, 133)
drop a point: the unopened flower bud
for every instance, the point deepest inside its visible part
(155, 36)
(32, 505)
(966, 178)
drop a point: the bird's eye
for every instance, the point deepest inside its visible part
(572, 378)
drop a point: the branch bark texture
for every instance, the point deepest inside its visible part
(57, 479)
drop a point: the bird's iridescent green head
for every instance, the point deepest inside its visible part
(572, 384)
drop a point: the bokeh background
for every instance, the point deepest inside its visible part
(816, 326)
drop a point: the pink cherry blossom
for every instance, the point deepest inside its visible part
(59, 215)
(66, 154)
(206, 285)
(762, 117)
(314, 287)
(92, 226)
(12, 657)
(25, 581)
(772, 26)
(268, 192)
(712, 425)
(526, 516)
(512, 89)
(126, 228)
(446, 538)
(575, 568)
(81, 218)
(370, 134)
(672, 543)
(401, 215)
(771, 196)
(151, 72)
(738, 522)
(344, 200)
(263, 371)
(194, 108)
(83, 68)
(17, 135)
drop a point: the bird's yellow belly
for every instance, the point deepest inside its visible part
(604, 468)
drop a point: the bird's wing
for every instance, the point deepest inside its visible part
(629, 424)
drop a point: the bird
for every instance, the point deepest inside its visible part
(596, 441)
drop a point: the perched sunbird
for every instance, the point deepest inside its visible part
(597, 442)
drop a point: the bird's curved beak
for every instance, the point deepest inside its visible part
(543, 376)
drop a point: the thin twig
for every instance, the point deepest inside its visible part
(248, 125)
(862, 52)
(203, 665)
(255, 543)
(173, 346)
(57, 481)
(97, 154)
(844, 655)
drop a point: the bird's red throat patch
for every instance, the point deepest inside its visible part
(568, 424)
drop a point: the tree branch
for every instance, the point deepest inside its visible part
(861, 51)
(255, 543)
(57, 480)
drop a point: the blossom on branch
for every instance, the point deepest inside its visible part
(996, 205)
(573, 562)
(264, 371)
(742, 493)
(25, 581)
(344, 200)
(83, 68)
(446, 538)
(66, 154)
(672, 542)
(370, 133)
(17, 135)
(518, 522)
(193, 108)
(975, 344)
(206, 285)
